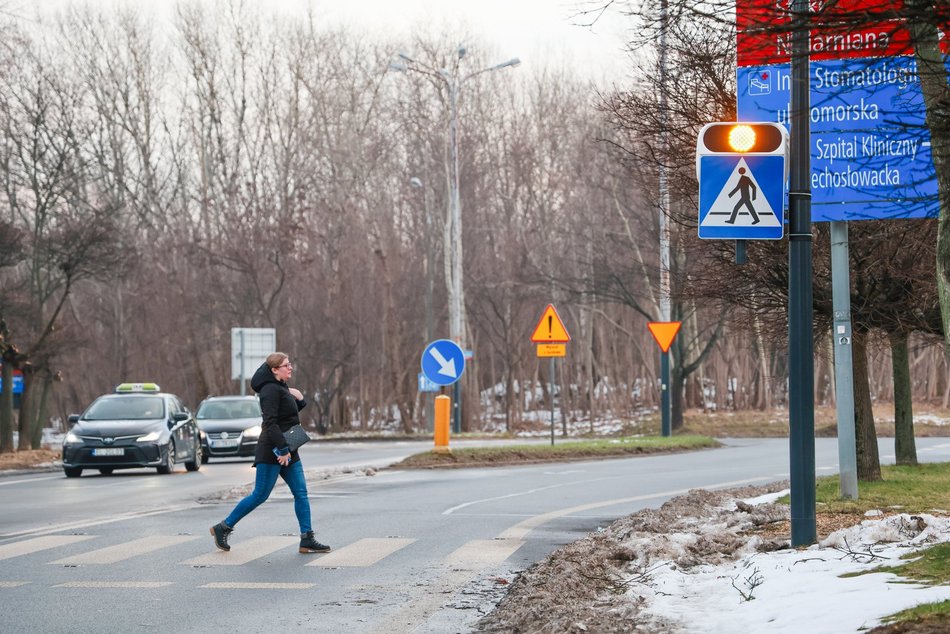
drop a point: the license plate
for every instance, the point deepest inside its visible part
(108, 451)
(220, 444)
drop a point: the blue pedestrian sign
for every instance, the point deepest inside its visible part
(742, 197)
(443, 362)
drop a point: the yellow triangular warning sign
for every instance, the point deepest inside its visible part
(550, 329)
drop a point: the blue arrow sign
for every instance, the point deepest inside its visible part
(443, 362)
(742, 197)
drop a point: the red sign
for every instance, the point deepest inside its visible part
(847, 29)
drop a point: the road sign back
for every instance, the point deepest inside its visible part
(742, 197)
(550, 329)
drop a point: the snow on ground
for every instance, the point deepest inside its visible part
(792, 591)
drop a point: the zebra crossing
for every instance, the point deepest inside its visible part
(362, 553)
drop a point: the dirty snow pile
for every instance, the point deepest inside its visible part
(696, 564)
(795, 590)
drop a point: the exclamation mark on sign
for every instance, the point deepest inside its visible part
(550, 326)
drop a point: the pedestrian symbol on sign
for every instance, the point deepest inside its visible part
(745, 184)
(739, 203)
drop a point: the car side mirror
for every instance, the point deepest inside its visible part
(179, 417)
(72, 419)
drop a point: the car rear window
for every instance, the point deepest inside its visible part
(222, 410)
(126, 408)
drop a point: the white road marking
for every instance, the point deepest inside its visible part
(362, 553)
(479, 554)
(120, 552)
(113, 584)
(108, 520)
(55, 477)
(521, 529)
(243, 552)
(39, 543)
(12, 584)
(514, 495)
(235, 585)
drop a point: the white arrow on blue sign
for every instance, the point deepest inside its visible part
(443, 362)
(742, 197)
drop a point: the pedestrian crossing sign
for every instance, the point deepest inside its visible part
(742, 197)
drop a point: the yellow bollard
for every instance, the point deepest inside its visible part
(443, 408)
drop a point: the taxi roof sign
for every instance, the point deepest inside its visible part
(550, 328)
(126, 388)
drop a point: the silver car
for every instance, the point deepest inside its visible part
(230, 426)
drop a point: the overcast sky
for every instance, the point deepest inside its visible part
(533, 30)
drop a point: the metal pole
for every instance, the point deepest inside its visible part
(665, 287)
(844, 375)
(243, 371)
(665, 393)
(801, 371)
(456, 303)
(429, 404)
(551, 392)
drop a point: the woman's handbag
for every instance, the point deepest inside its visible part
(296, 437)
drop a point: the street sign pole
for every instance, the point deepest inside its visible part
(844, 378)
(551, 393)
(666, 429)
(801, 406)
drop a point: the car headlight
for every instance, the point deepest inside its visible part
(72, 439)
(150, 437)
(253, 432)
(202, 434)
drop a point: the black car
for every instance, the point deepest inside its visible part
(138, 426)
(230, 426)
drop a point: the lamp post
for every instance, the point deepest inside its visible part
(452, 232)
(417, 183)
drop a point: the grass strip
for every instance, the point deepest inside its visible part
(923, 488)
(561, 452)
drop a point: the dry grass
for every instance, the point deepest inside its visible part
(28, 459)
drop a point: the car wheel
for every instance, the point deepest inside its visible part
(72, 472)
(169, 465)
(106, 470)
(195, 463)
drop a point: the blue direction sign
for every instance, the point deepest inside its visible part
(742, 197)
(443, 362)
(870, 150)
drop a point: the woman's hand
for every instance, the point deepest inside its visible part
(295, 393)
(284, 460)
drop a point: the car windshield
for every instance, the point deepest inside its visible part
(126, 408)
(222, 410)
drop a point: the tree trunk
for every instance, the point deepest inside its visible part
(26, 410)
(6, 409)
(905, 449)
(676, 387)
(869, 464)
(933, 84)
(42, 411)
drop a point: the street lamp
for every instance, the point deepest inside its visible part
(452, 231)
(417, 183)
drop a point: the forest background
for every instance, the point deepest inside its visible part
(162, 186)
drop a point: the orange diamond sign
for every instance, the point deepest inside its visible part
(550, 329)
(664, 332)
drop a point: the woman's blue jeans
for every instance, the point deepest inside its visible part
(264, 484)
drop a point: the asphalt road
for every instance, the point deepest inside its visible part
(414, 551)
